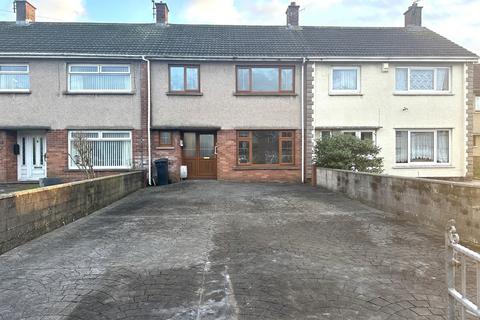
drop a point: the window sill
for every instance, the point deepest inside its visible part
(15, 92)
(265, 167)
(446, 166)
(165, 148)
(101, 170)
(191, 94)
(259, 94)
(99, 93)
(344, 94)
(428, 94)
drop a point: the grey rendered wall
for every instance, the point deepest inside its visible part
(48, 105)
(429, 202)
(218, 106)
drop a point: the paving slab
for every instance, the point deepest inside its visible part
(219, 250)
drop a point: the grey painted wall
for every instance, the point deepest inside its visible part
(428, 202)
(218, 106)
(27, 215)
(47, 105)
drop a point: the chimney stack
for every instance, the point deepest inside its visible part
(162, 12)
(413, 16)
(25, 11)
(293, 15)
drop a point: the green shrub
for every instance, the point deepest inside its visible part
(348, 153)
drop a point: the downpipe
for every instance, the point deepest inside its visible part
(303, 118)
(149, 106)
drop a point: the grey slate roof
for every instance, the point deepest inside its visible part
(221, 40)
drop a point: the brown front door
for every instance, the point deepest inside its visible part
(199, 155)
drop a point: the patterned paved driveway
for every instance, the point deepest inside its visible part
(215, 250)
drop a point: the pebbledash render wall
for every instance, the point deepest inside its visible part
(28, 214)
(49, 108)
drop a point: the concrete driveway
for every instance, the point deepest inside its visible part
(216, 250)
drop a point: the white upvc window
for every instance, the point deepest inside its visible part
(423, 147)
(14, 77)
(105, 149)
(361, 134)
(418, 80)
(345, 80)
(99, 78)
(477, 103)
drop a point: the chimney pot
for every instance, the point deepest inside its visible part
(25, 11)
(293, 15)
(413, 16)
(162, 12)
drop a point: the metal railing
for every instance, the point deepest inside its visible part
(456, 257)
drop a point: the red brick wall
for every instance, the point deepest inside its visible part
(174, 154)
(228, 169)
(8, 161)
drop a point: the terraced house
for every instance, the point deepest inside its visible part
(229, 102)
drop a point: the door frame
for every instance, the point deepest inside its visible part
(197, 153)
(30, 133)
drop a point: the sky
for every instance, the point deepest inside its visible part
(458, 20)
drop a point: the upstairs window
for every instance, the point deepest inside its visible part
(99, 78)
(184, 79)
(345, 80)
(426, 80)
(477, 103)
(14, 77)
(265, 79)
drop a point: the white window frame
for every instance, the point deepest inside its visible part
(434, 163)
(358, 134)
(477, 103)
(73, 166)
(16, 72)
(429, 92)
(333, 91)
(99, 66)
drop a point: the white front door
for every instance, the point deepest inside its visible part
(31, 160)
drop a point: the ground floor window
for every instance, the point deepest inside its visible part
(264, 147)
(476, 140)
(166, 139)
(360, 134)
(105, 149)
(423, 146)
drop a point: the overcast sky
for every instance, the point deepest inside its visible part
(458, 20)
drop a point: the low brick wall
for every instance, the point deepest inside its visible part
(28, 214)
(429, 202)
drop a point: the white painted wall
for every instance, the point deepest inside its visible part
(378, 106)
